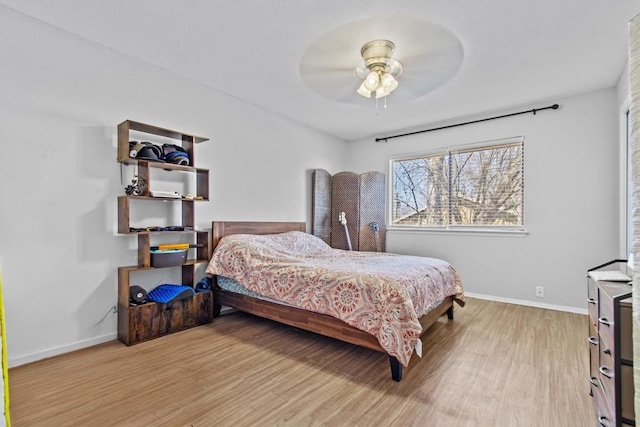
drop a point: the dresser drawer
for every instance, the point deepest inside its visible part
(594, 355)
(592, 302)
(606, 375)
(605, 414)
(606, 320)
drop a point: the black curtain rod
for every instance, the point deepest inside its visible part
(534, 111)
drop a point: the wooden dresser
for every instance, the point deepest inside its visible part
(611, 351)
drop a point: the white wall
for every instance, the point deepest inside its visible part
(571, 201)
(622, 88)
(61, 100)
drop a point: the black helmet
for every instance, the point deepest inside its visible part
(145, 151)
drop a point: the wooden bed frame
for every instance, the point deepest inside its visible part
(314, 322)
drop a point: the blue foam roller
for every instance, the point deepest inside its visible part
(167, 293)
(204, 285)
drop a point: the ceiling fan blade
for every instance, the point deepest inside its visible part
(339, 86)
(327, 69)
(425, 72)
(331, 55)
(430, 55)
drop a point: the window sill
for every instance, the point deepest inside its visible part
(460, 231)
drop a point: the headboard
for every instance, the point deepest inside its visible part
(219, 229)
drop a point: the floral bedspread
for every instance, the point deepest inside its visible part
(380, 293)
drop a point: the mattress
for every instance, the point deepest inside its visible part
(231, 285)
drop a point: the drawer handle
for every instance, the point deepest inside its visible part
(591, 300)
(602, 419)
(607, 351)
(606, 372)
(605, 321)
(593, 340)
(594, 381)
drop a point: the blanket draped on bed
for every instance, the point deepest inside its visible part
(379, 293)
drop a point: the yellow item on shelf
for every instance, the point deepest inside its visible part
(173, 246)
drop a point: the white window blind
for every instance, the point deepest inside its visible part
(480, 186)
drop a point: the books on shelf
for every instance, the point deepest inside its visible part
(169, 194)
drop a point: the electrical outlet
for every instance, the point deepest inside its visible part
(539, 292)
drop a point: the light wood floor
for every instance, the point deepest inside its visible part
(494, 365)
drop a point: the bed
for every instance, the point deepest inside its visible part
(286, 308)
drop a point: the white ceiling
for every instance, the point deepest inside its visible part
(516, 52)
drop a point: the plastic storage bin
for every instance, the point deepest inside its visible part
(168, 257)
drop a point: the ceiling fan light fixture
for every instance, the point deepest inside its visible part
(380, 92)
(388, 82)
(372, 81)
(362, 90)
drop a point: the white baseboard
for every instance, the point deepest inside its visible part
(528, 303)
(56, 351)
(12, 362)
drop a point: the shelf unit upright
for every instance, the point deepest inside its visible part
(137, 323)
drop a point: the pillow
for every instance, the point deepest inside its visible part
(299, 242)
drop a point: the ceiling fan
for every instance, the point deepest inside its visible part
(377, 56)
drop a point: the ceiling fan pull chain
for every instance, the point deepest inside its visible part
(377, 110)
(385, 102)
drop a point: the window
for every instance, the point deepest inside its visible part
(477, 187)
